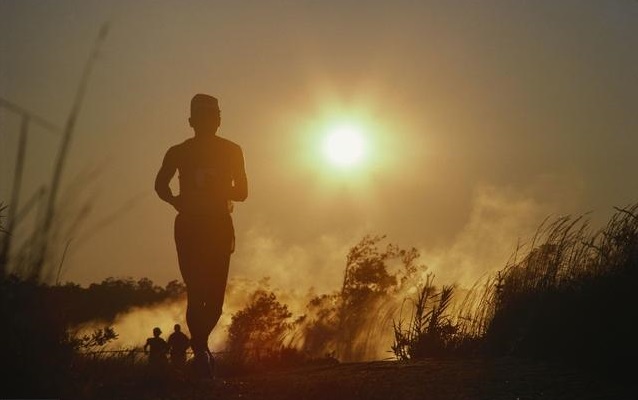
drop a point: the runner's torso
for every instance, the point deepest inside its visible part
(178, 342)
(205, 167)
(157, 346)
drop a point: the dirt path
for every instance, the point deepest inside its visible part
(424, 380)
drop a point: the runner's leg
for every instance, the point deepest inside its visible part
(203, 249)
(188, 242)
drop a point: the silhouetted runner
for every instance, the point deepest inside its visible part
(211, 176)
(157, 349)
(178, 343)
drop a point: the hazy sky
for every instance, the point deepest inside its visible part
(482, 118)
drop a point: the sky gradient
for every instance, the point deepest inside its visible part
(482, 118)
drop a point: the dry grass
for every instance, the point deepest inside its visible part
(571, 296)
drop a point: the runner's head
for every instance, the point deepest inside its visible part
(157, 331)
(177, 328)
(205, 114)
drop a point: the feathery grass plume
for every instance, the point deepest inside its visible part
(3, 231)
(42, 252)
(474, 311)
(2, 208)
(431, 330)
(571, 296)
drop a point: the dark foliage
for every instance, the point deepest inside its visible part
(260, 328)
(112, 296)
(259, 338)
(40, 357)
(37, 353)
(572, 296)
(568, 299)
(431, 331)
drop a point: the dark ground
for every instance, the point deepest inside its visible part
(424, 380)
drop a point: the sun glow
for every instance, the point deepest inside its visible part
(344, 145)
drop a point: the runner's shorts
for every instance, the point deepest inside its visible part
(204, 245)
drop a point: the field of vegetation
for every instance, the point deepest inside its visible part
(558, 316)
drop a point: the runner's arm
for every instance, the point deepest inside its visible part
(163, 178)
(239, 190)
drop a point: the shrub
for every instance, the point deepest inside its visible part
(258, 330)
(431, 331)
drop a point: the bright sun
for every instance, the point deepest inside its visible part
(344, 146)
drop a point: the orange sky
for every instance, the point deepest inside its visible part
(485, 118)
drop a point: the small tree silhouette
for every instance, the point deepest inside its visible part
(344, 324)
(260, 328)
